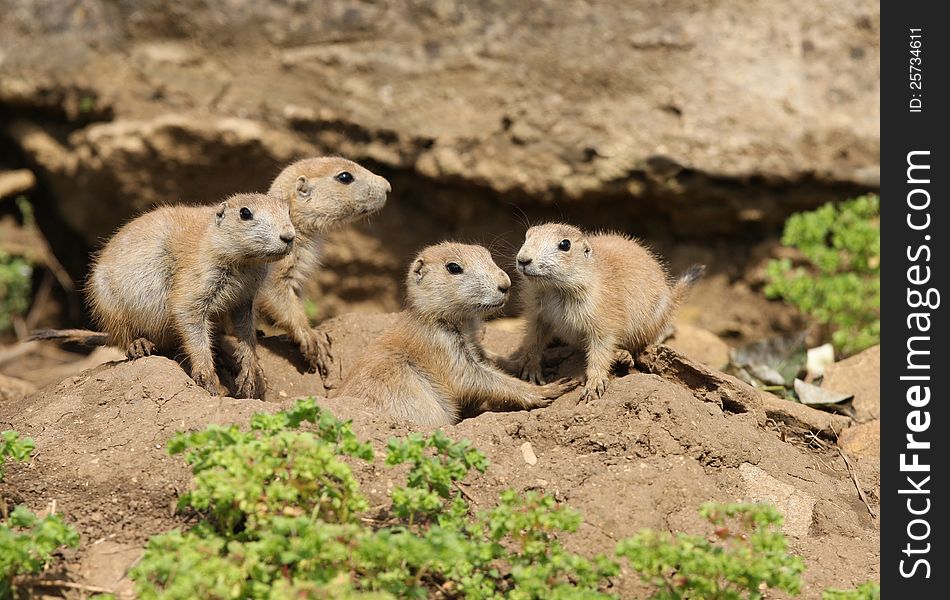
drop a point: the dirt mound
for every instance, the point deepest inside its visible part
(101, 437)
(648, 454)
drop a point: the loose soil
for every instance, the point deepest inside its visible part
(647, 454)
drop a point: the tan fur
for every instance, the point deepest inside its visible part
(605, 293)
(430, 366)
(318, 203)
(166, 278)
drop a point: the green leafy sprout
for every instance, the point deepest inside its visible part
(747, 555)
(16, 277)
(839, 284)
(27, 542)
(866, 591)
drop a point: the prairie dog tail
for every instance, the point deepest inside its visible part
(85, 337)
(686, 282)
(678, 293)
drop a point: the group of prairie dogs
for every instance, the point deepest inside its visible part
(174, 278)
(601, 293)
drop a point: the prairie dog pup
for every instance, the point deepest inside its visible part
(430, 365)
(165, 278)
(323, 194)
(603, 292)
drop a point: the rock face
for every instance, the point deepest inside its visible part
(683, 117)
(453, 89)
(859, 375)
(863, 441)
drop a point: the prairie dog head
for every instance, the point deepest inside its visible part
(329, 191)
(253, 227)
(554, 254)
(452, 281)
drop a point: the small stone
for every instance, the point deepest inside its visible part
(528, 453)
(795, 505)
(700, 345)
(12, 388)
(818, 359)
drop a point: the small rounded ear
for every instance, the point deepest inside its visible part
(302, 188)
(418, 268)
(587, 249)
(219, 216)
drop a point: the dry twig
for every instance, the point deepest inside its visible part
(857, 484)
(18, 350)
(48, 583)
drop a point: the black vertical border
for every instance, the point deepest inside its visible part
(903, 132)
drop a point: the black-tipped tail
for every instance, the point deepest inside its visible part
(79, 336)
(692, 275)
(685, 283)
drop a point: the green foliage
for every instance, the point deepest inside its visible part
(284, 518)
(312, 310)
(431, 478)
(281, 509)
(15, 447)
(841, 284)
(243, 480)
(540, 566)
(748, 556)
(87, 104)
(866, 591)
(27, 542)
(16, 276)
(26, 211)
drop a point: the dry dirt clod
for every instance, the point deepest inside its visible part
(527, 452)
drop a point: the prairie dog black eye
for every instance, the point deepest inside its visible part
(454, 268)
(564, 245)
(345, 177)
(246, 214)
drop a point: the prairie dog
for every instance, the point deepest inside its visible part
(323, 194)
(603, 292)
(166, 277)
(429, 365)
